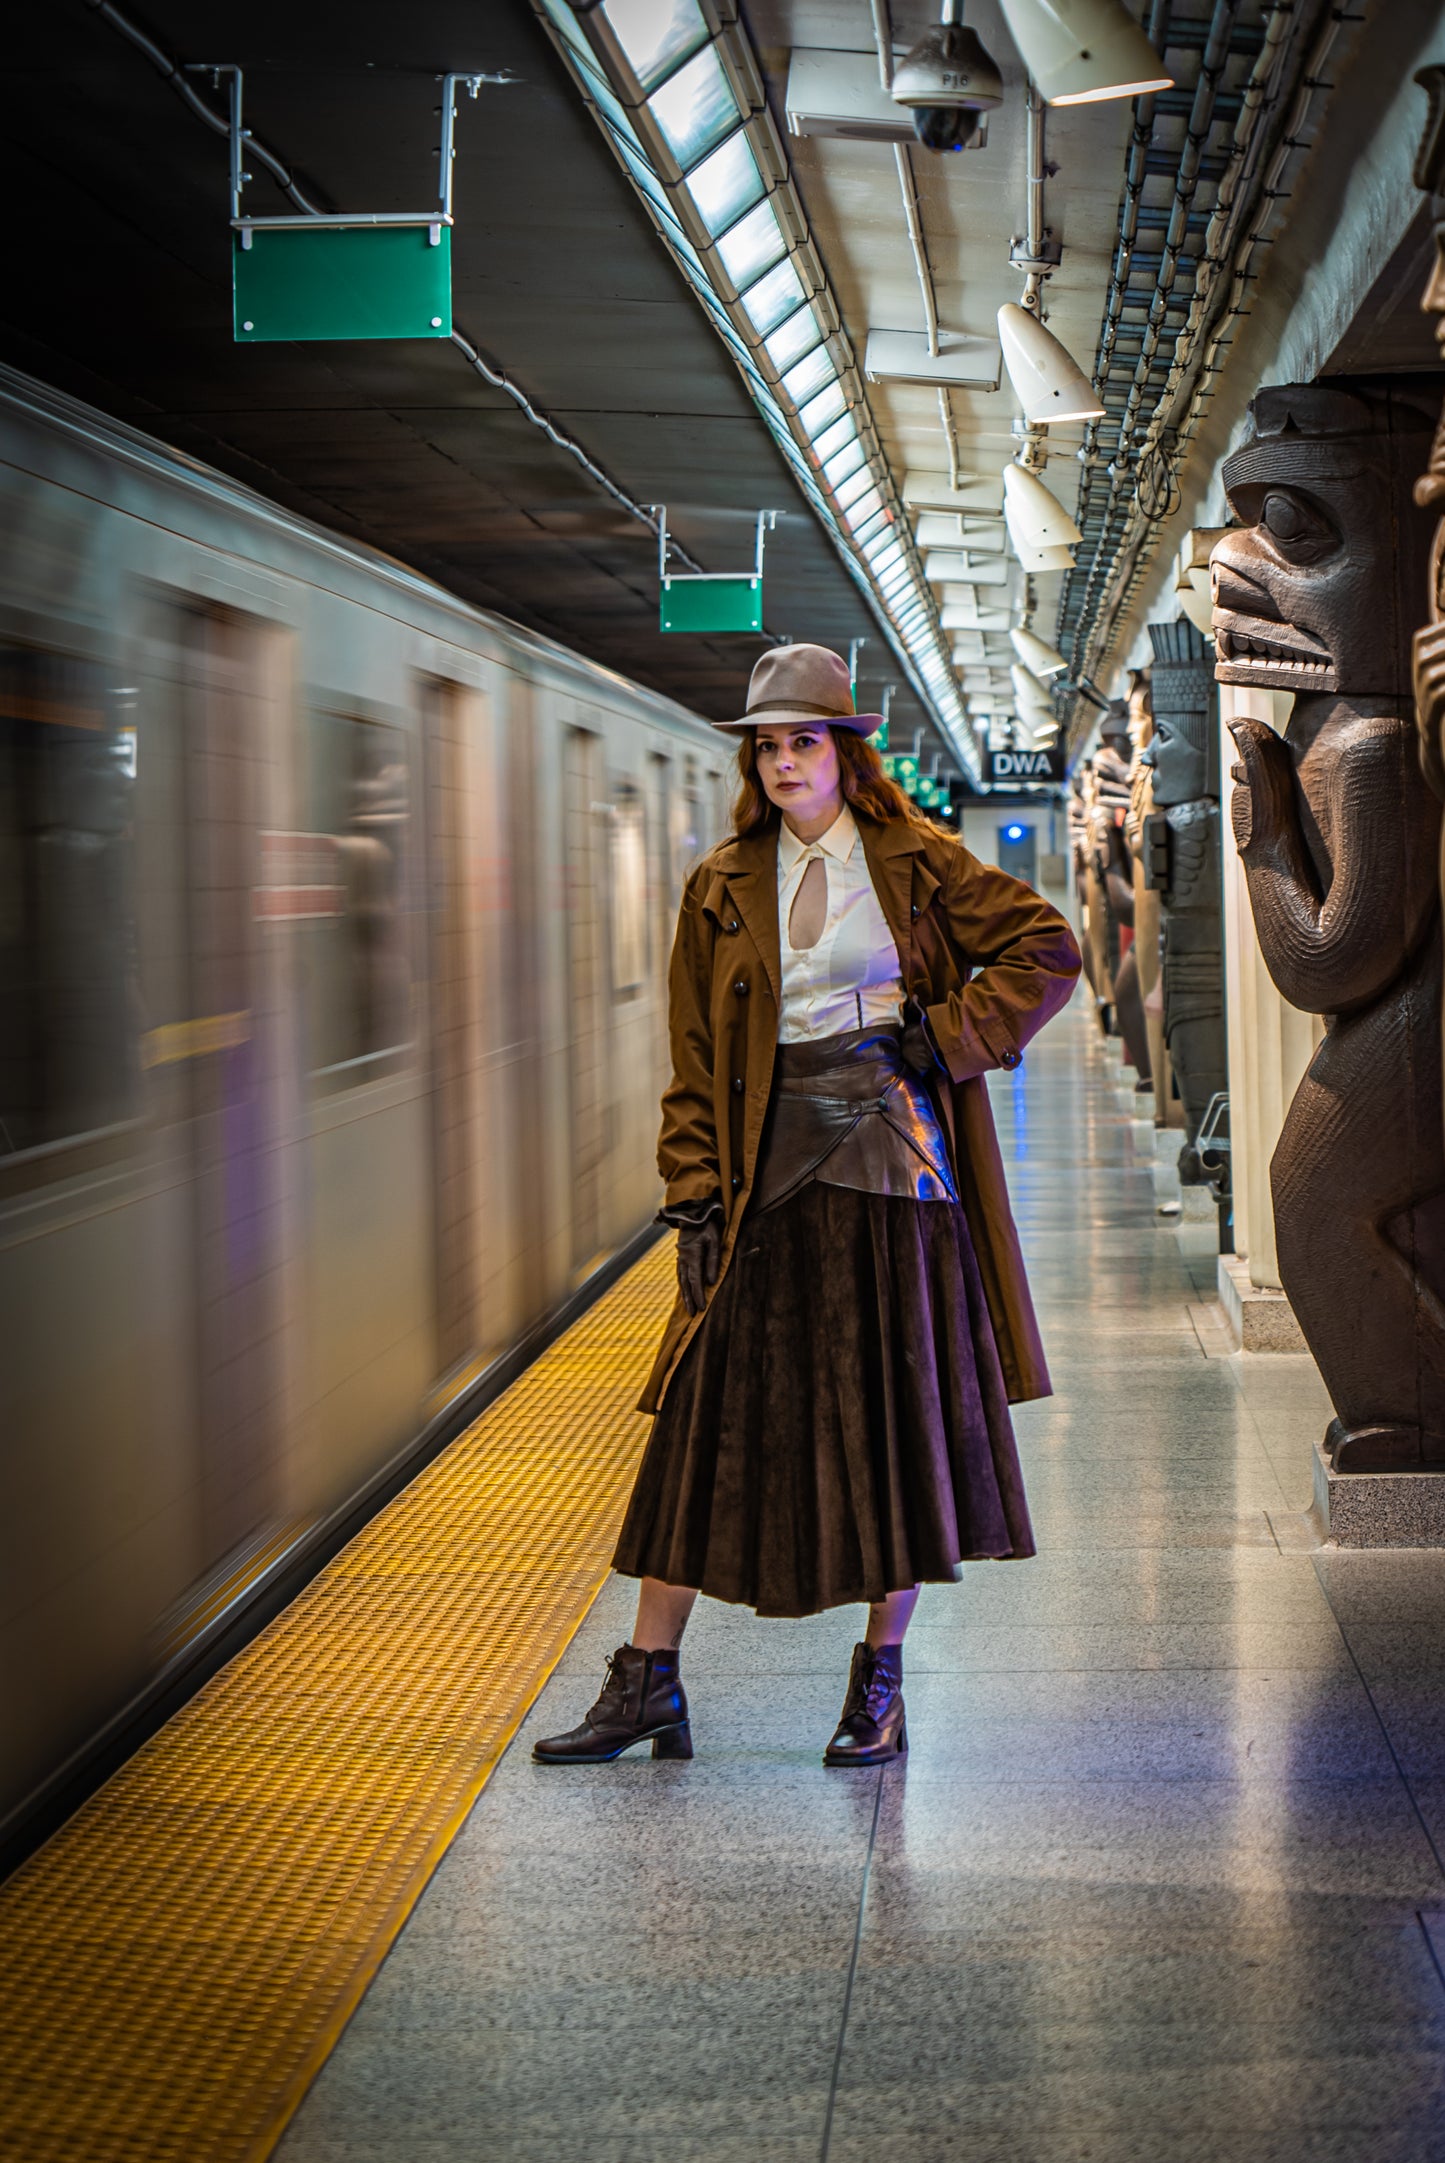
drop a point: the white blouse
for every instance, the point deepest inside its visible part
(851, 979)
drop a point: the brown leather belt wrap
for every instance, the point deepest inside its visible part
(848, 1112)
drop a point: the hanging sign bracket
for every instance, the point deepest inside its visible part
(342, 274)
(716, 601)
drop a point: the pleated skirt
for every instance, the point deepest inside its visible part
(838, 1428)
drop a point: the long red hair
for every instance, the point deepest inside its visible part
(866, 787)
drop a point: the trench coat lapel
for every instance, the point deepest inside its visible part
(749, 870)
(903, 883)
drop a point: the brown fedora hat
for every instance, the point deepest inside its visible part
(795, 684)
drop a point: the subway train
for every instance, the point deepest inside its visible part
(334, 925)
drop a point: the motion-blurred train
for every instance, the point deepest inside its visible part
(334, 923)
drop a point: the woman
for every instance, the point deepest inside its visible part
(853, 1319)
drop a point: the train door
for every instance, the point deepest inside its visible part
(586, 991)
(210, 1046)
(450, 1013)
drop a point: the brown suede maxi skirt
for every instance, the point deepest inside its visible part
(838, 1428)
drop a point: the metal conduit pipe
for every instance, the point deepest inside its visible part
(1135, 174)
(909, 190)
(1222, 289)
(1198, 368)
(1201, 120)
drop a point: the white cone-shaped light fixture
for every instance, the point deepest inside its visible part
(1033, 513)
(1036, 653)
(1080, 52)
(1050, 385)
(1032, 696)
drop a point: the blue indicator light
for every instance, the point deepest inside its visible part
(1013, 833)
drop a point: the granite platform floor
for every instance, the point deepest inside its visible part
(1161, 1879)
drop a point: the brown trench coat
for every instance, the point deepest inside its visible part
(950, 915)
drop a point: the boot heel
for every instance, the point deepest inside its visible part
(903, 1738)
(673, 1741)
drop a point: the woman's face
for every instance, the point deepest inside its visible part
(799, 769)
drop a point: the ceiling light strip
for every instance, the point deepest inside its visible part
(675, 88)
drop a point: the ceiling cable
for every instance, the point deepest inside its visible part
(175, 72)
(915, 239)
(219, 123)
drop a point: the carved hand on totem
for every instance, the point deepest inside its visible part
(1262, 807)
(1430, 703)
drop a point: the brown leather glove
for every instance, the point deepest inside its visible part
(699, 1253)
(920, 1053)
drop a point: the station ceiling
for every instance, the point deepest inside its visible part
(118, 290)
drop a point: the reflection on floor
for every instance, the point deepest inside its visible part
(1160, 1880)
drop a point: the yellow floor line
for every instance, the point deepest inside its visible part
(176, 1964)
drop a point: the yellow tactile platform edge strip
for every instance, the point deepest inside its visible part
(177, 1963)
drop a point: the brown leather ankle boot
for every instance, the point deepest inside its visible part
(873, 1727)
(642, 1700)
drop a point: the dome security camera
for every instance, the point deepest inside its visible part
(948, 82)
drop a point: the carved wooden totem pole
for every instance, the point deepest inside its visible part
(1114, 783)
(1315, 593)
(1430, 488)
(1182, 847)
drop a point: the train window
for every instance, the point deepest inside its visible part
(69, 1002)
(627, 848)
(358, 974)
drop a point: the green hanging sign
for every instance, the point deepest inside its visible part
(710, 601)
(309, 281)
(712, 604)
(342, 274)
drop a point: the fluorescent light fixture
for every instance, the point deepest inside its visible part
(656, 35)
(773, 298)
(1080, 52)
(949, 529)
(962, 362)
(793, 338)
(666, 80)
(866, 507)
(839, 94)
(827, 446)
(1034, 515)
(752, 246)
(828, 406)
(695, 108)
(1035, 653)
(726, 184)
(855, 483)
(845, 467)
(942, 566)
(807, 377)
(1047, 381)
(923, 491)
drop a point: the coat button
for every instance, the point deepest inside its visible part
(1010, 1059)
(737, 1179)
(733, 925)
(741, 987)
(914, 911)
(737, 1085)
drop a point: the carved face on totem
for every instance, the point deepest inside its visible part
(1430, 487)
(1312, 588)
(1141, 717)
(1184, 753)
